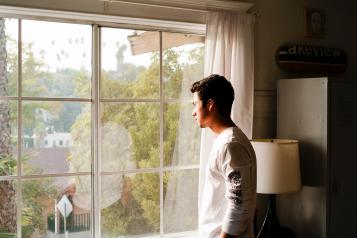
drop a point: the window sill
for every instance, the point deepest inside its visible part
(188, 234)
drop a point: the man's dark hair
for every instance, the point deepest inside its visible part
(217, 88)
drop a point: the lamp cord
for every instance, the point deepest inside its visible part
(265, 219)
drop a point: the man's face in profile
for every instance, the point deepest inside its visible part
(199, 112)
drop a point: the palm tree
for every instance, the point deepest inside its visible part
(7, 190)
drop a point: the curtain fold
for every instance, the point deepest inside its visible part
(230, 52)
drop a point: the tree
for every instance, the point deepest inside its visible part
(7, 190)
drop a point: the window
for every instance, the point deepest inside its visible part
(148, 144)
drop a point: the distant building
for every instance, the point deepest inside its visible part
(62, 140)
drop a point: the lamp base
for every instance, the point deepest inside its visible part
(271, 227)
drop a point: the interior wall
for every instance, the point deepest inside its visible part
(280, 22)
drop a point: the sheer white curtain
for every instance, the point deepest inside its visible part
(229, 52)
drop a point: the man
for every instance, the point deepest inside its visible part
(228, 202)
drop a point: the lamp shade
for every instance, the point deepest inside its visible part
(278, 166)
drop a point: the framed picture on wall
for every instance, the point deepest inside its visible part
(315, 23)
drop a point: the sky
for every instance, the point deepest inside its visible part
(69, 45)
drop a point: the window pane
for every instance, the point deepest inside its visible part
(182, 63)
(130, 64)
(45, 125)
(56, 59)
(180, 201)
(181, 135)
(8, 137)
(130, 205)
(7, 207)
(38, 206)
(8, 56)
(130, 136)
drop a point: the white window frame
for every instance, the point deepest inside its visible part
(102, 20)
(97, 21)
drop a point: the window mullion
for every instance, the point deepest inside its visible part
(161, 142)
(95, 213)
(19, 132)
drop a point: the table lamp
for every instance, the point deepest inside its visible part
(278, 172)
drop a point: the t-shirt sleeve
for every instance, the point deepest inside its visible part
(238, 169)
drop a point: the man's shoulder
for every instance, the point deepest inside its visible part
(238, 146)
(232, 137)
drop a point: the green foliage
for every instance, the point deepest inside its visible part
(171, 112)
(172, 73)
(80, 154)
(12, 65)
(35, 194)
(6, 235)
(146, 190)
(35, 76)
(145, 135)
(63, 82)
(7, 164)
(124, 217)
(81, 84)
(147, 85)
(66, 117)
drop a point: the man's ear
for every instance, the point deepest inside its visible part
(210, 104)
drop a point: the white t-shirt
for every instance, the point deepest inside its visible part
(229, 194)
